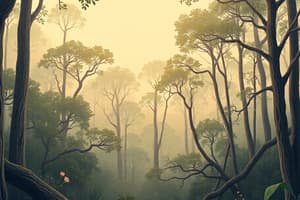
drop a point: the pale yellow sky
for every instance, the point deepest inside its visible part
(136, 31)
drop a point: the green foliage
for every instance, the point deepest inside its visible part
(152, 71)
(270, 191)
(154, 174)
(192, 160)
(202, 26)
(8, 80)
(178, 74)
(81, 61)
(68, 17)
(44, 111)
(227, 9)
(210, 127)
(189, 2)
(210, 133)
(116, 79)
(106, 137)
(245, 92)
(41, 18)
(85, 4)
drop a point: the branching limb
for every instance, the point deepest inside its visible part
(244, 173)
(253, 95)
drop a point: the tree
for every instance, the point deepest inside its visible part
(66, 19)
(18, 137)
(18, 121)
(79, 62)
(116, 84)
(152, 72)
(5, 9)
(286, 144)
(12, 16)
(130, 113)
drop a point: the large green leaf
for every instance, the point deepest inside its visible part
(269, 191)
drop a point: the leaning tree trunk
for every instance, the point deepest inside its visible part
(28, 182)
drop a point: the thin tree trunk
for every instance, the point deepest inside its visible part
(5, 45)
(125, 151)
(3, 188)
(186, 135)
(244, 104)
(226, 118)
(263, 84)
(119, 151)
(155, 141)
(254, 106)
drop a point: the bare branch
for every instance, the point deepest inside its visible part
(290, 30)
(260, 16)
(37, 10)
(253, 95)
(244, 173)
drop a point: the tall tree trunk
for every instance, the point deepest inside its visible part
(263, 84)
(3, 188)
(18, 120)
(244, 104)
(5, 45)
(254, 106)
(294, 90)
(286, 155)
(227, 119)
(125, 151)
(119, 151)
(155, 139)
(186, 135)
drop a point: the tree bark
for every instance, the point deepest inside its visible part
(5, 45)
(294, 90)
(125, 152)
(18, 121)
(3, 188)
(118, 130)
(5, 9)
(286, 155)
(254, 106)
(263, 83)
(248, 133)
(155, 126)
(28, 182)
(186, 136)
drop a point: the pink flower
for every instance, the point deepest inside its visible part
(62, 173)
(66, 179)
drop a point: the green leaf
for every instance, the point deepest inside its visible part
(269, 192)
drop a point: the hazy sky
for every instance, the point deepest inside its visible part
(136, 31)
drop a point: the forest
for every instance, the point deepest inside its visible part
(149, 100)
